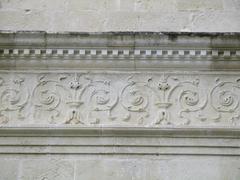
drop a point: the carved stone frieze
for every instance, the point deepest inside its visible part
(120, 98)
(118, 102)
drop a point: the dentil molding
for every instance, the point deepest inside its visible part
(145, 80)
(121, 51)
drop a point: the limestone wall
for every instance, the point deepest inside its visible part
(120, 168)
(120, 15)
(119, 106)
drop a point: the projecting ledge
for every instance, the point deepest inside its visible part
(119, 50)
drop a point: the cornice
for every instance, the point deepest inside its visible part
(52, 103)
(119, 50)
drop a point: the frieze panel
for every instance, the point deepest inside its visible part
(119, 99)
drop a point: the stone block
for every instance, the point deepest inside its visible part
(122, 21)
(209, 168)
(8, 169)
(120, 15)
(212, 22)
(23, 21)
(155, 5)
(93, 5)
(29, 5)
(231, 5)
(164, 21)
(195, 5)
(83, 21)
(109, 169)
(127, 5)
(158, 168)
(47, 169)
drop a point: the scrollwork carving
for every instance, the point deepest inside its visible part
(52, 95)
(190, 98)
(225, 99)
(134, 99)
(13, 98)
(101, 97)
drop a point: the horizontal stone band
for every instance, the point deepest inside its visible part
(116, 52)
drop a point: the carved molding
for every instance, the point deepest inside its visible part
(131, 51)
(119, 53)
(142, 99)
(119, 141)
(119, 79)
(140, 93)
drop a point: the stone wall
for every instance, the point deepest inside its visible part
(120, 168)
(120, 15)
(119, 106)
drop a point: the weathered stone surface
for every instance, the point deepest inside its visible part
(124, 106)
(47, 169)
(9, 169)
(120, 168)
(97, 98)
(109, 169)
(197, 168)
(120, 15)
(194, 5)
(135, 99)
(159, 169)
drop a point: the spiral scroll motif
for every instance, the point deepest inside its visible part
(224, 97)
(13, 95)
(189, 96)
(45, 97)
(103, 97)
(134, 97)
(11, 99)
